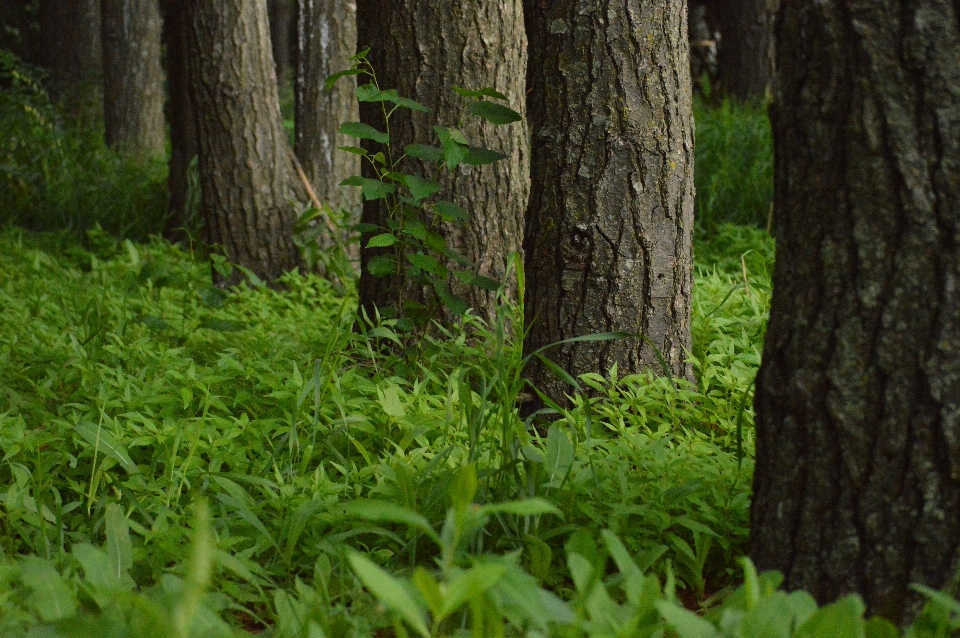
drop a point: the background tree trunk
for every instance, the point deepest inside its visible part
(857, 481)
(133, 77)
(249, 185)
(70, 50)
(326, 38)
(746, 53)
(608, 230)
(423, 48)
(280, 15)
(183, 129)
(19, 28)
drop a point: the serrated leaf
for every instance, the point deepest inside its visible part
(370, 93)
(450, 211)
(364, 132)
(413, 105)
(481, 156)
(389, 591)
(331, 80)
(105, 443)
(495, 113)
(425, 263)
(484, 92)
(356, 150)
(382, 240)
(375, 189)
(353, 180)
(422, 188)
(454, 151)
(381, 266)
(424, 152)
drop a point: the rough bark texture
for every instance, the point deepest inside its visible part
(423, 48)
(70, 50)
(180, 113)
(250, 188)
(746, 53)
(857, 483)
(133, 77)
(280, 14)
(326, 38)
(608, 229)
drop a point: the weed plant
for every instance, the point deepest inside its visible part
(56, 175)
(734, 165)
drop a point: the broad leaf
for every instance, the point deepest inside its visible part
(390, 592)
(480, 156)
(382, 240)
(364, 132)
(424, 152)
(450, 211)
(381, 266)
(331, 80)
(105, 443)
(426, 263)
(422, 188)
(495, 113)
(484, 92)
(51, 597)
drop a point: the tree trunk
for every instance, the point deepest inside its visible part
(250, 188)
(326, 38)
(280, 13)
(183, 129)
(133, 77)
(70, 51)
(19, 28)
(608, 230)
(423, 48)
(746, 53)
(857, 480)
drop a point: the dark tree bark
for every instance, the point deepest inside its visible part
(608, 230)
(19, 28)
(133, 77)
(703, 43)
(70, 51)
(250, 188)
(280, 13)
(180, 113)
(746, 52)
(326, 38)
(423, 48)
(857, 481)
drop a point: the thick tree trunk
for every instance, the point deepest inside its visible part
(183, 129)
(70, 50)
(857, 483)
(250, 188)
(280, 14)
(133, 77)
(423, 48)
(746, 53)
(326, 38)
(608, 230)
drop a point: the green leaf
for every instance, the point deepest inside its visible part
(381, 266)
(450, 211)
(119, 547)
(214, 297)
(426, 263)
(104, 442)
(486, 283)
(559, 453)
(387, 512)
(407, 103)
(495, 113)
(373, 188)
(878, 627)
(526, 507)
(424, 152)
(364, 229)
(842, 619)
(468, 585)
(454, 150)
(51, 597)
(331, 80)
(370, 93)
(356, 150)
(389, 400)
(382, 240)
(364, 132)
(429, 588)
(422, 188)
(484, 92)
(464, 487)
(477, 156)
(686, 623)
(390, 592)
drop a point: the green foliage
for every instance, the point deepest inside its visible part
(56, 175)
(734, 166)
(412, 246)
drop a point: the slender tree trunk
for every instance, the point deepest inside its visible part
(857, 480)
(608, 230)
(70, 50)
(133, 77)
(424, 48)
(183, 129)
(250, 188)
(326, 38)
(746, 53)
(280, 13)
(703, 43)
